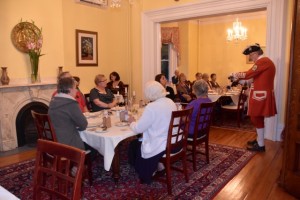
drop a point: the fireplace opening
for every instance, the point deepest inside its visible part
(26, 130)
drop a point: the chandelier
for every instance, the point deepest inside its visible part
(238, 32)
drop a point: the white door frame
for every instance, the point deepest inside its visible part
(275, 42)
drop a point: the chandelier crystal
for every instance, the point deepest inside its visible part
(115, 3)
(238, 32)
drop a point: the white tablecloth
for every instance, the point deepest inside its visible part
(6, 195)
(214, 96)
(234, 96)
(105, 143)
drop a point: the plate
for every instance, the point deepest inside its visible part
(90, 125)
(101, 130)
(121, 124)
(23, 33)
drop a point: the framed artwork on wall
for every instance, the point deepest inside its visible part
(86, 48)
(93, 2)
(249, 61)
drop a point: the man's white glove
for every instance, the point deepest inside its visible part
(233, 77)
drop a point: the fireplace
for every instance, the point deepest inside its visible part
(16, 102)
(25, 127)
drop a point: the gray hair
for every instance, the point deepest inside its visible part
(65, 74)
(64, 85)
(200, 88)
(154, 91)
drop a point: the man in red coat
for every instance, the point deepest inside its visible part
(261, 103)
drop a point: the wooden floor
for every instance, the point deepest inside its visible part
(258, 180)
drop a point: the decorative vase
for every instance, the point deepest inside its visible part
(60, 69)
(35, 76)
(4, 77)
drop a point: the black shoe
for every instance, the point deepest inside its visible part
(257, 148)
(251, 143)
(145, 182)
(159, 173)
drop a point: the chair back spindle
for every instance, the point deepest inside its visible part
(50, 179)
(176, 144)
(44, 126)
(201, 132)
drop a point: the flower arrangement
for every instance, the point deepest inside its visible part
(34, 46)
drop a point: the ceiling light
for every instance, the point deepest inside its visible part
(238, 32)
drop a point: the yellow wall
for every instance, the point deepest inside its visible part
(193, 56)
(119, 40)
(113, 40)
(183, 61)
(156, 4)
(216, 55)
(47, 15)
(59, 19)
(204, 47)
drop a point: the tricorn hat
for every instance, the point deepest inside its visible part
(251, 48)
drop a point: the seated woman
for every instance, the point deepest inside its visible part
(162, 80)
(154, 124)
(65, 114)
(101, 97)
(200, 89)
(79, 97)
(115, 85)
(183, 89)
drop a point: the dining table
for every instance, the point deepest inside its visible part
(107, 140)
(233, 94)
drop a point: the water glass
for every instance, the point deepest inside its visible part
(179, 106)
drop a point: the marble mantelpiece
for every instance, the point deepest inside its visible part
(12, 99)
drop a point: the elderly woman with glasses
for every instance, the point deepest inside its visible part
(154, 124)
(101, 97)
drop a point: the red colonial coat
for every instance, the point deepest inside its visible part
(261, 99)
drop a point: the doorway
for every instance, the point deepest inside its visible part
(276, 40)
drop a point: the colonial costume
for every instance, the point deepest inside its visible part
(261, 101)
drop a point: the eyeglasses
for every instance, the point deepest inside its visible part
(103, 81)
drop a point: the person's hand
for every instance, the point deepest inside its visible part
(233, 77)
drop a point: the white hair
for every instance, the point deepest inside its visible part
(200, 88)
(154, 91)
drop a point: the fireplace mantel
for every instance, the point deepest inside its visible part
(12, 99)
(26, 85)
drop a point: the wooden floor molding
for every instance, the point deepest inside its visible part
(257, 180)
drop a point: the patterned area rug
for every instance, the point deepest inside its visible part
(225, 163)
(230, 122)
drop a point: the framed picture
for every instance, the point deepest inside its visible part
(249, 61)
(93, 2)
(86, 48)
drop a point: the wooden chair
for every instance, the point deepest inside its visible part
(59, 184)
(46, 132)
(201, 132)
(176, 144)
(88, 102)
(44, 126)
(238, 109)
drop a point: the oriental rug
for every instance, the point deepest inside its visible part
(230, 122)
(225, 163)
